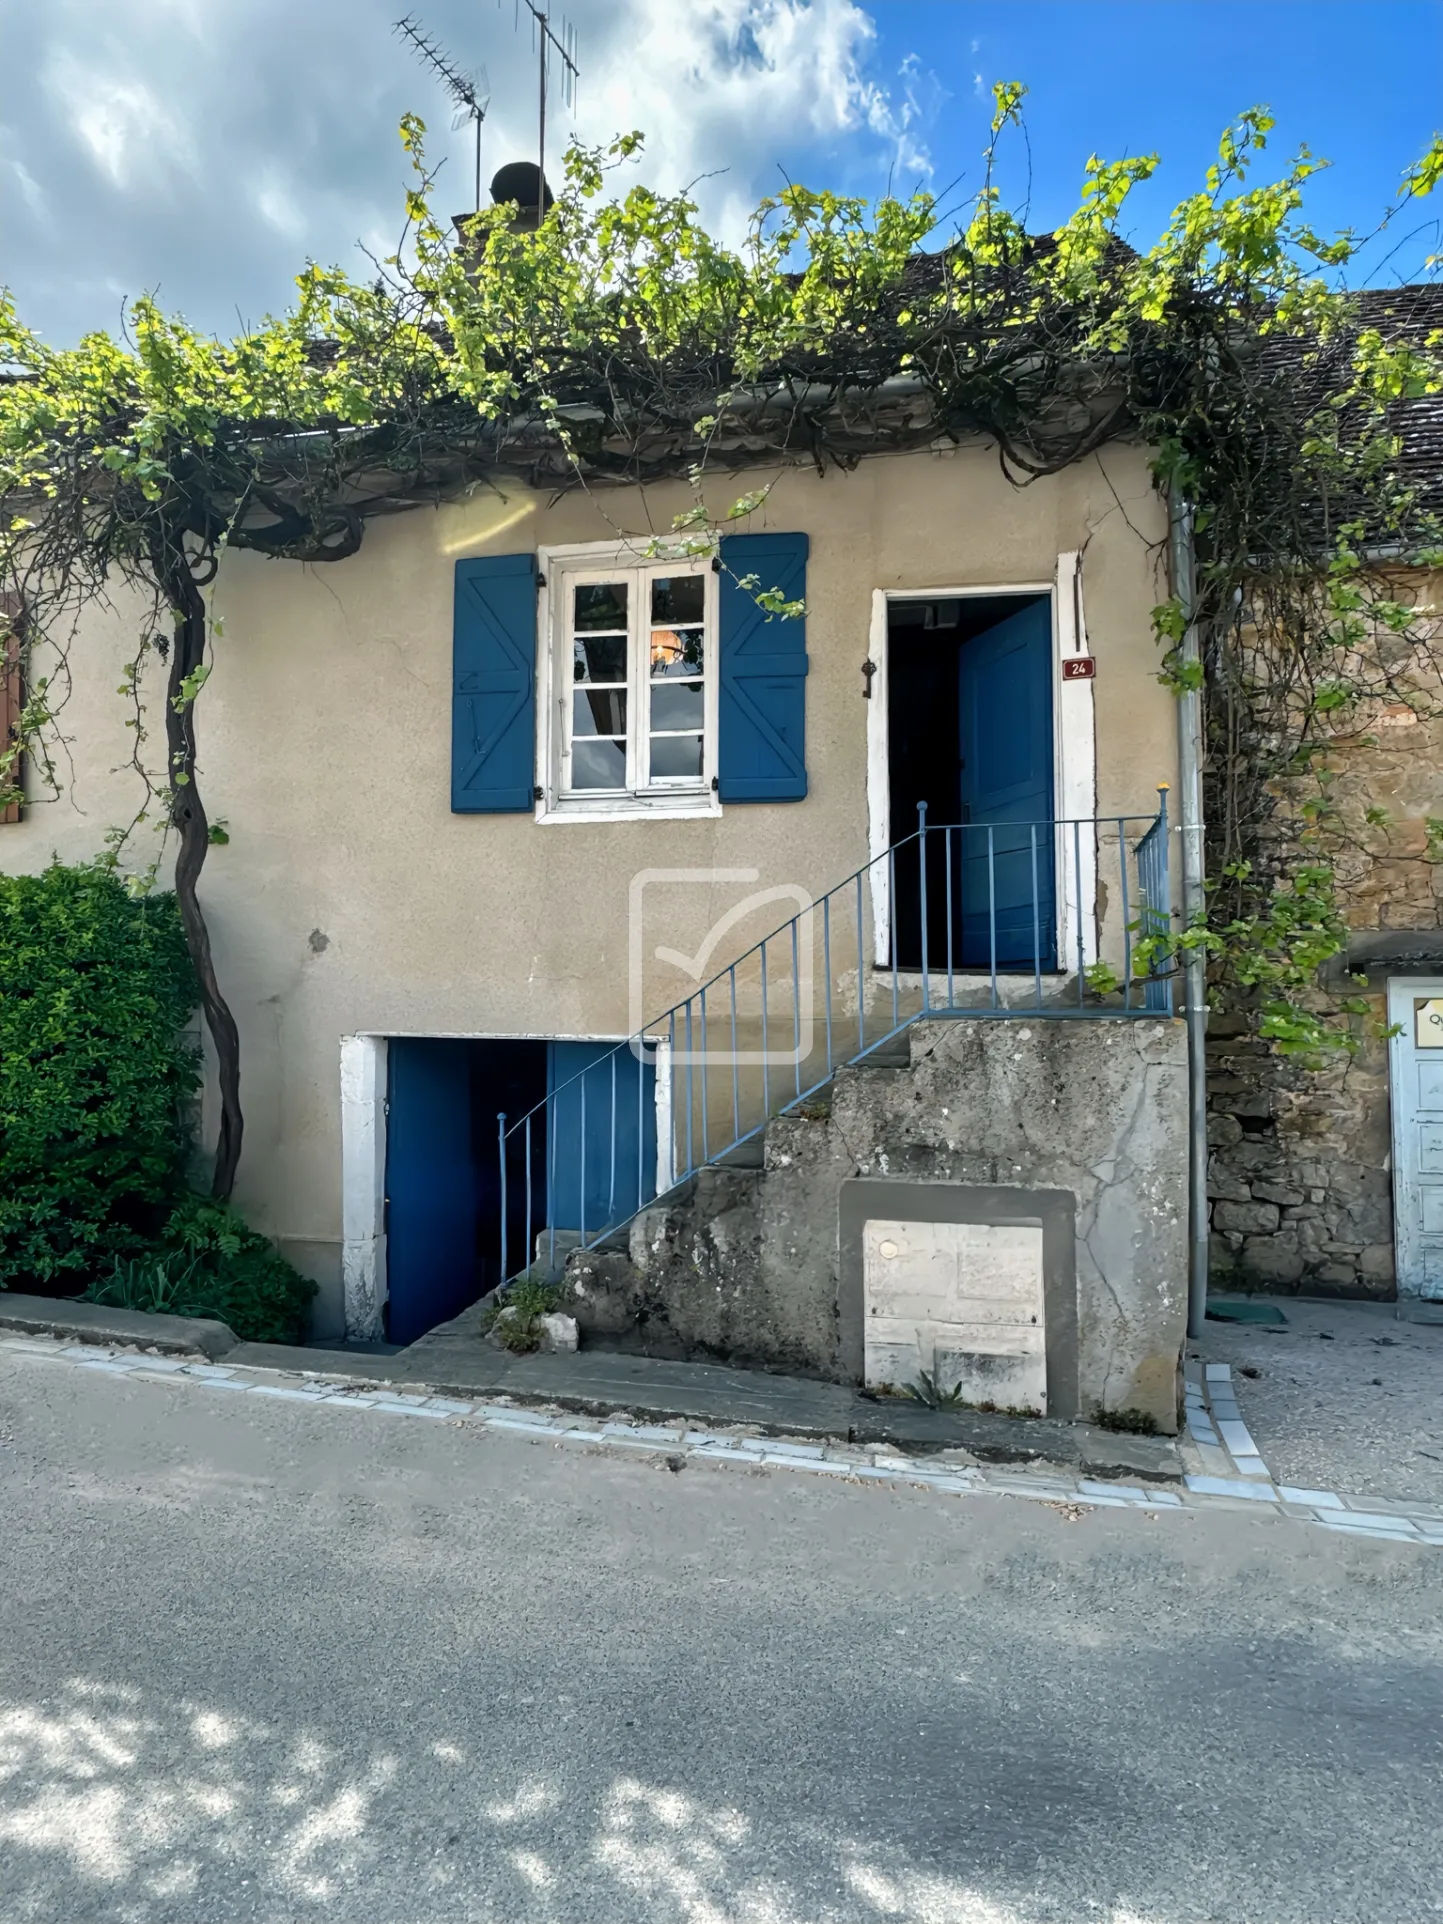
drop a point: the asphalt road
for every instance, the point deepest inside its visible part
(267, 1662)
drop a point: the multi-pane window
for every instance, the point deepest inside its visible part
(676, 678)
(636, 709)
(600, 652)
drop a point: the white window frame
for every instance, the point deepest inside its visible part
(562, 569)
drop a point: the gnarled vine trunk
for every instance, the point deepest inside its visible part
(175, 571)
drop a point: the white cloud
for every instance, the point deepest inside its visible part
(123, 124)
(29, 186)
(277, 206)
(205, 149)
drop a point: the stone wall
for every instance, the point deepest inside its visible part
(745, 1266)
(1300, 1176)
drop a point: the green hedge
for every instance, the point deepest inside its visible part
(95, 1076)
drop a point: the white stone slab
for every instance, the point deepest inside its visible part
(1237, 1437)
(991, 1339)
(1230, 1486)
(1251, 1466)
(962, 1302)
(1315, 1499)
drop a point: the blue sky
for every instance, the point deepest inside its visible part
(204, 149)
(1361, 84)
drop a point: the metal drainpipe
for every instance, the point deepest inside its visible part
(1189, 757)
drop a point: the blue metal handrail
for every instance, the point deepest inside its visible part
(1017, 938)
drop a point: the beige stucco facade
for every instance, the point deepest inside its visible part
(351, 900)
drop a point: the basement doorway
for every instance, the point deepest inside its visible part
(970, 733)
(592, 1160)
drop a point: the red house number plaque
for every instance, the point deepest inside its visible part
(1079, 667)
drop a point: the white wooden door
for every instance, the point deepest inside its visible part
(1415, 1007)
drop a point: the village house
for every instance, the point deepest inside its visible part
(479, 774)
(744, 935)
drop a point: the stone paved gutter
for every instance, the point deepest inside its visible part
(1232, 1468)
(948, 1472)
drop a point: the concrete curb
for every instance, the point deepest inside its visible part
(135, 1328)
(717, 1446)
(775, 1405)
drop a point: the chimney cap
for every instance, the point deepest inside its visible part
(517, 181)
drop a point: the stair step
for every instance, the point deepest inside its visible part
(896, 1054)
(751, 1154)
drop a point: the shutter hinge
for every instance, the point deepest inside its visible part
(540, 580)
(536, 793)
(716, 564)
(715, 783)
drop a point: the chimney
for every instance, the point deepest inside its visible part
(518, 181)
(515, 182)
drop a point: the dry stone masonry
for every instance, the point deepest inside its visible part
(1300, 1175)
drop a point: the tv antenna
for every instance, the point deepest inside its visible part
(470, 91)
(565, 49)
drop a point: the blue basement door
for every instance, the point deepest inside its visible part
(1008, 893)
(431, 1185)
(601, 1155)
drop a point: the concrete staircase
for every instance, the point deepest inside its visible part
(741, 1262)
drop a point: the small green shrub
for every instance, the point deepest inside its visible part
(160, 1285)
(928, 1390)
(528, 1297)
(95, 1074)
(211, 1264)
(513, 1314)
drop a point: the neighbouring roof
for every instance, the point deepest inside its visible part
(1412, 314)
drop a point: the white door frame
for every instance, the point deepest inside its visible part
(364, 1081)
(1409, 1253)
(1074, 754)
(363, 1185)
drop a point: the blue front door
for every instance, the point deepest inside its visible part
(1007, 892)
(602, 1149)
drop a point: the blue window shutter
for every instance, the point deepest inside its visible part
(493, 698)
(762, 718)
